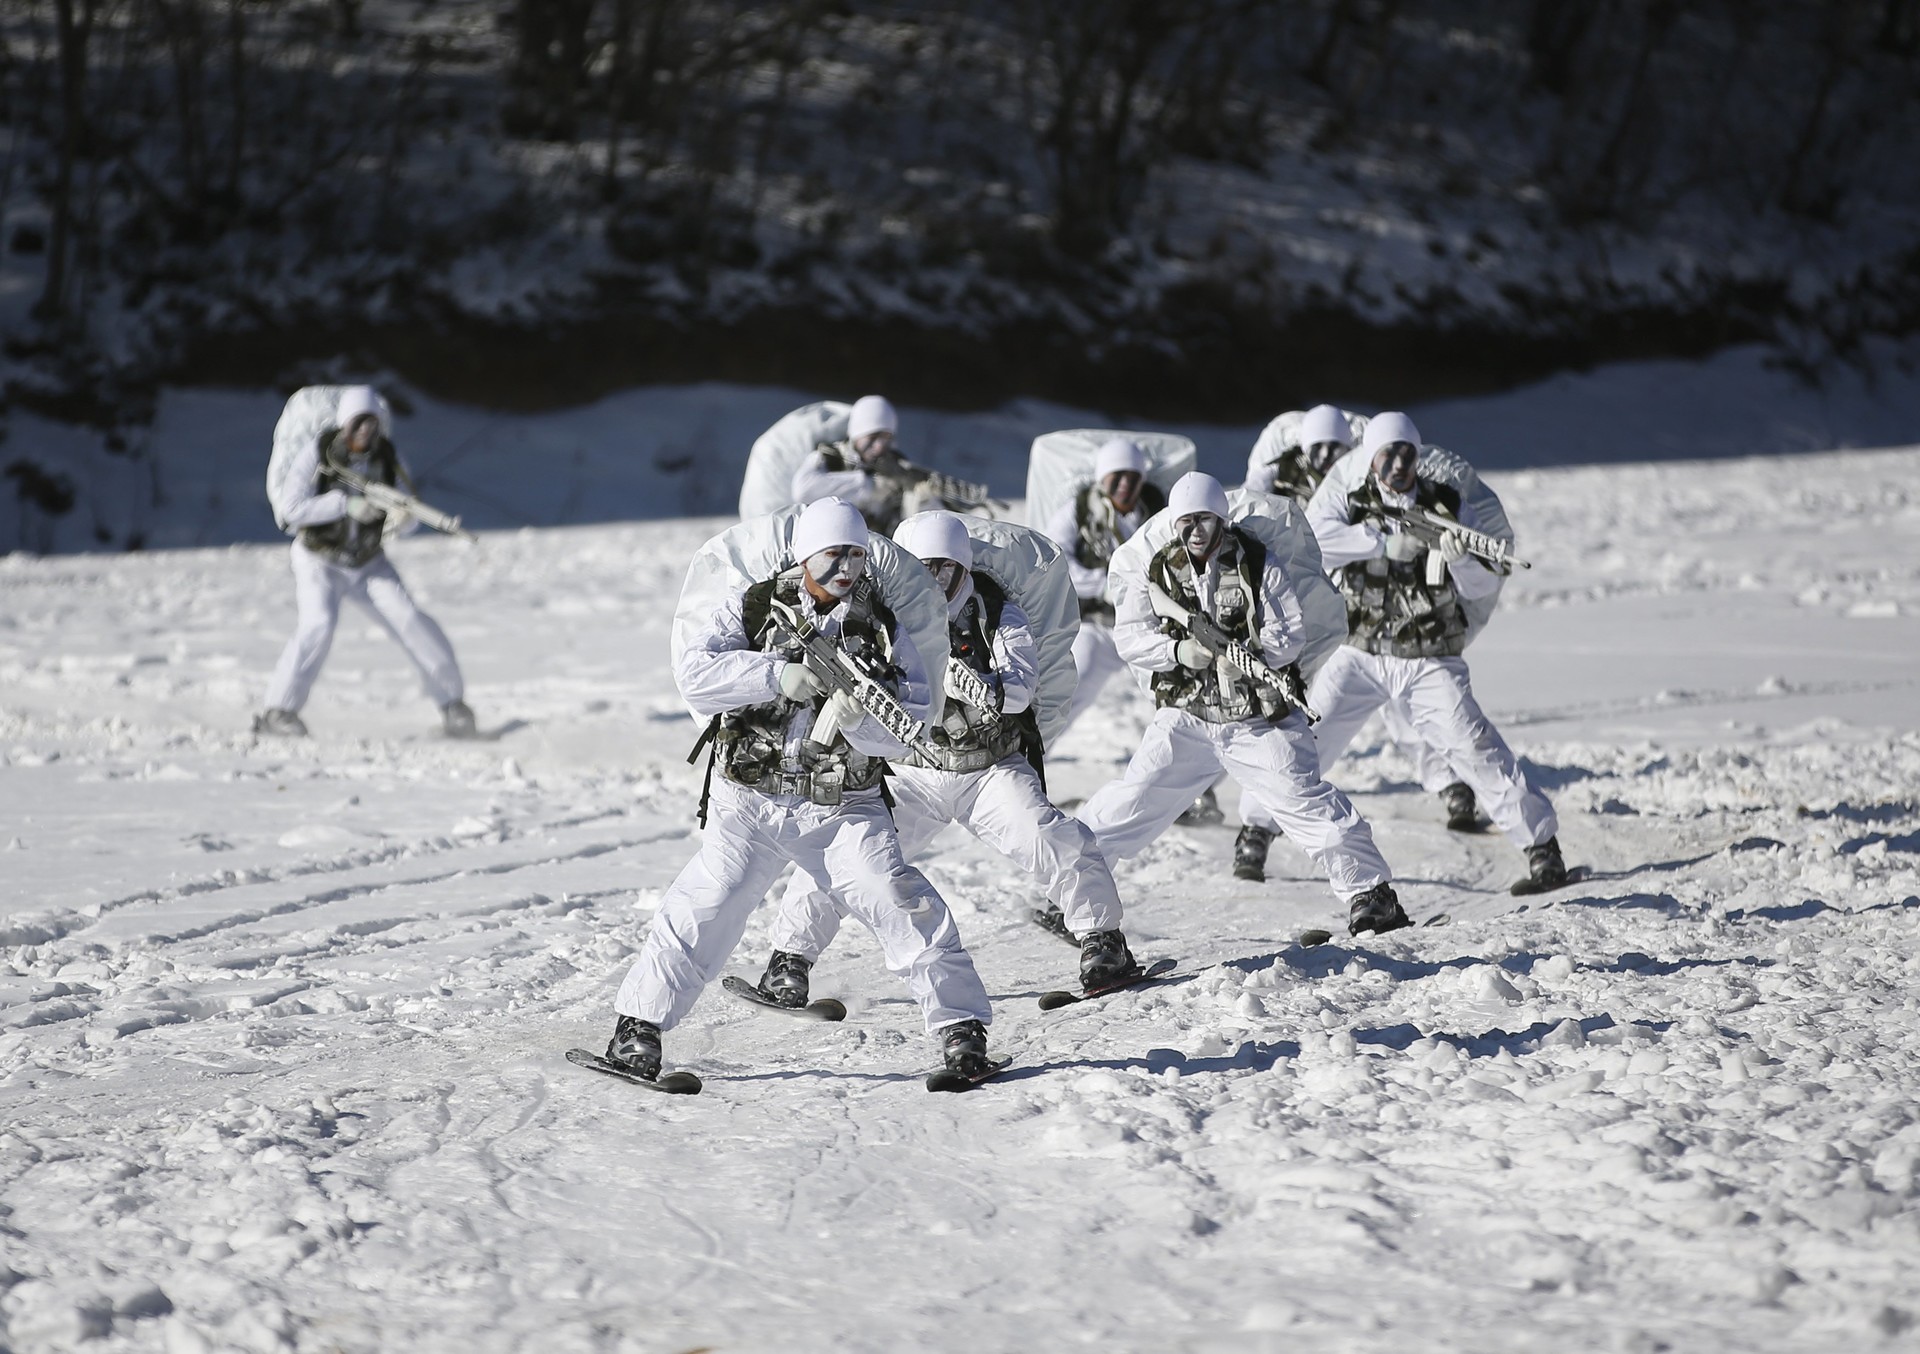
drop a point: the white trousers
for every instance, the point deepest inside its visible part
(1005, 807)
(318, 589)
(749, 839)
(1279, 771)
(1435, 697)
(1430, 768)
(1096, 658)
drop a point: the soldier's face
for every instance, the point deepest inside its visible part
(870, 447)
(362, 433)
(1322, 455)
(949, 574)
(1122, 489)
(1393, 466)
(833, 571)
(1200, 533)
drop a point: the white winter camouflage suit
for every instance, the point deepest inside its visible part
(750, 836)
(1277, 765)
(1433, 696)
(1003, 805)
(1095, 656)
(319, 586)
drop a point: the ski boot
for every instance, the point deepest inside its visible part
(283, 723)
(1203, 812)
(964, 1047)
(1104, 959)
(785, 980)
(1250, 853)
(456, 720)
(1463, 814)
(1545, 867)
(1377, 910)
(636, 1044)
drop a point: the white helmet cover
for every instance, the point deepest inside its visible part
(1386, 429)
(871, 414)
(1195, 492)
(828, 522)
(936, 535)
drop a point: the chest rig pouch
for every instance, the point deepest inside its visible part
(1217, 694)
(750, 744)
(1392, 607)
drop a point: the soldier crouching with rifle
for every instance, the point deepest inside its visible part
(809, 683)
(332, 485)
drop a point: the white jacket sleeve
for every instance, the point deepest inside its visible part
(1267, 449)
(296, 502)
(1341, 542)
(813, 481)
(718, 671)
(1017, 660)
(914, 692)
(1063, 528)
(1283, 627)
(1136, 630)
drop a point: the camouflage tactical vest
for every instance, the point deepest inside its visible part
(1391, 608)
(751, 741)
(975, 739)
(1293, 477)
(1097, 536)
(346, 542)
(1216, 694)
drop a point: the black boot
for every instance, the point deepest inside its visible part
(456, 720)
(1377, 910)
(636, 1044)
(785, 980)
(1203, 812)
(1545, 866)
(964, 1046)
(1104, 958)
(1463, 814)
(283, 723)
(1250, 853)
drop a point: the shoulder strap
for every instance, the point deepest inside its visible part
(993, 601)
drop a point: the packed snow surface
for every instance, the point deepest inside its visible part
(282, 1023)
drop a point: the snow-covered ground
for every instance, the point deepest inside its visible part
(281, 1024)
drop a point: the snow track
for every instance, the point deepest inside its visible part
(281, 1023)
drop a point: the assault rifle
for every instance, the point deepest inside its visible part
(972, 688)
(950, 490)
(393, 502)
(1206, 632)
(1431, 526)
(842, 672)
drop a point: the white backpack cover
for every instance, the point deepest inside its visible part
(1032, 571)
(1281, 526)
(1060, 463)
(760, 547)
(296, 447)
(1283, 434)
(1480, 509)
(777, 454)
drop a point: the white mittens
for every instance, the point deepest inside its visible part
(1191, 653)
(1453, 546)
(798, 684)
(360, 510)
(1401, 546)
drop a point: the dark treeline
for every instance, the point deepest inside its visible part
(188, 186)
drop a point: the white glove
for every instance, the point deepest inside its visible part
(1453, 546)
(799, 684)
(360, 510)
(1191, 653)
(840, 713)
(1401, 546)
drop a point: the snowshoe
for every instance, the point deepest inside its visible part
(1053, 922)
(1250, 853)
(456, 720)
(1159, 968)
(1377, 910)
(280, 723)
